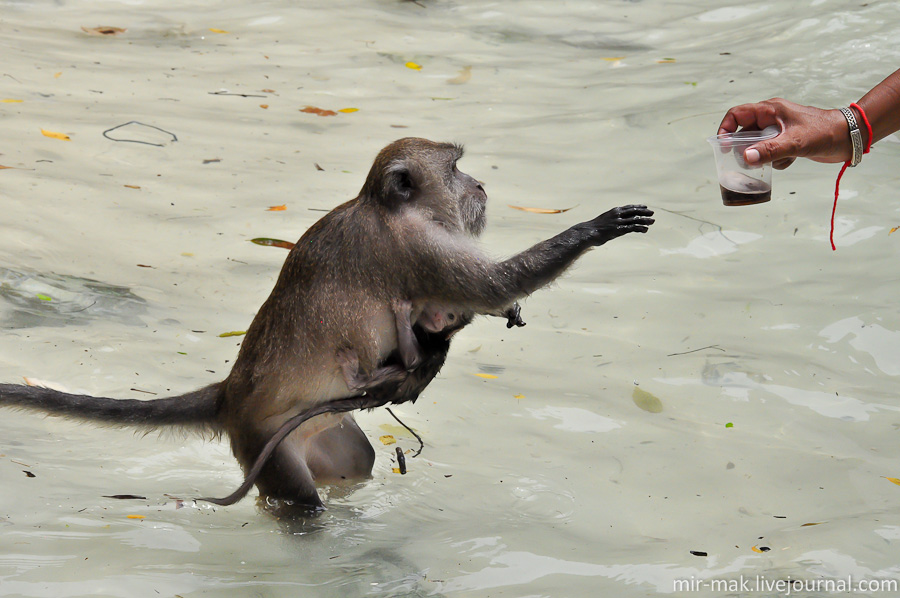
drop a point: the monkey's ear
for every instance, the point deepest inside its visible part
(399, 184)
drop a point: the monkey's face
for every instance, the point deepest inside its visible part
(422, 175)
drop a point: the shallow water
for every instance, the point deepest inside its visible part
(774, 359)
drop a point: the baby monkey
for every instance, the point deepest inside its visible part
(421, 350)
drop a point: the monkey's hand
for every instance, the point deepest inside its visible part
(513, 316)
(617, 222)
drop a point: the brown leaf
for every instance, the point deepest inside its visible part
(319, 111)
(103, 30)
(272, 243)
(540, 210)
(463, 77)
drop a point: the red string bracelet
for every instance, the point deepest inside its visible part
(837, 183)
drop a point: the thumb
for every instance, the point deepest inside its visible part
(766, 151)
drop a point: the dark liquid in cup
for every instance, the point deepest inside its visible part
(745, 192)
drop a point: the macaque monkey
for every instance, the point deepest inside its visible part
(410, 235)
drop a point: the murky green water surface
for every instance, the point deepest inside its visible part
(774, 360)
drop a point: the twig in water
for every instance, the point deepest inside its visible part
(401, 461)
(410, 430)
(716, 347)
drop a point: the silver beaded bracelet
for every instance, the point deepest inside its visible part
(855, 136)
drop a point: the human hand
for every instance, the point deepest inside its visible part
(806, 132)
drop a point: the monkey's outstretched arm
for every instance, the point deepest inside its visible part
(485, 286)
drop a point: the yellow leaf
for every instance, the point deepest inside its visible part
(57, 75)
(612, 58)
(518, 396)
(665, 61)
(892, 231)
(264, 106)
(487, 376)
(348, 110)
(12, 101)
(276, 208)
(463, 77)
(136, 517)
(414, 66)
(387, 440)
(61, 136)
(646, 401)
(5, 167)
(233, 333)
(540, 210)
(755, 549)
(395, 469)
(892, 480)
(214, 30)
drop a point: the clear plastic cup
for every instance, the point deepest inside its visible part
(742, 184)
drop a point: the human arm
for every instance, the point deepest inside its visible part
(814, 133)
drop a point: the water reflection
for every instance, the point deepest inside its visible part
(31, 299)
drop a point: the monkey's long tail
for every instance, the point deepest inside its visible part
(197, 408)
(335, 406)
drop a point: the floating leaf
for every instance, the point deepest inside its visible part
(892, 480)
(267, 90)
(387, 440)
(264, 106)
(540, 210)
(487, 376)
(612, 58)
(133, 186)
(43, 297)
(43, 384)
(463, 77)
(280, 208)
(136, 517)
(810, 524)
(518, 396)
(214, 30)
(318, 111)
(103, 30)
(348, 110)
(233, 333)
(5, 167)
(28, 473)
(57, 75)
(646, 401)
(273, 243)
(760, 549)
(665, 61)
(414, 66)
(126, 497)
(12, 101)
(395, 469)
(699, 553)
(60, 136)
(729, 425)
(893, 230)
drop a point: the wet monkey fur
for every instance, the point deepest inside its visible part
(330, 334)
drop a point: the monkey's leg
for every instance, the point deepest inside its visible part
(407, 345)
(340, 452)
(358, 382)
(513, 315)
